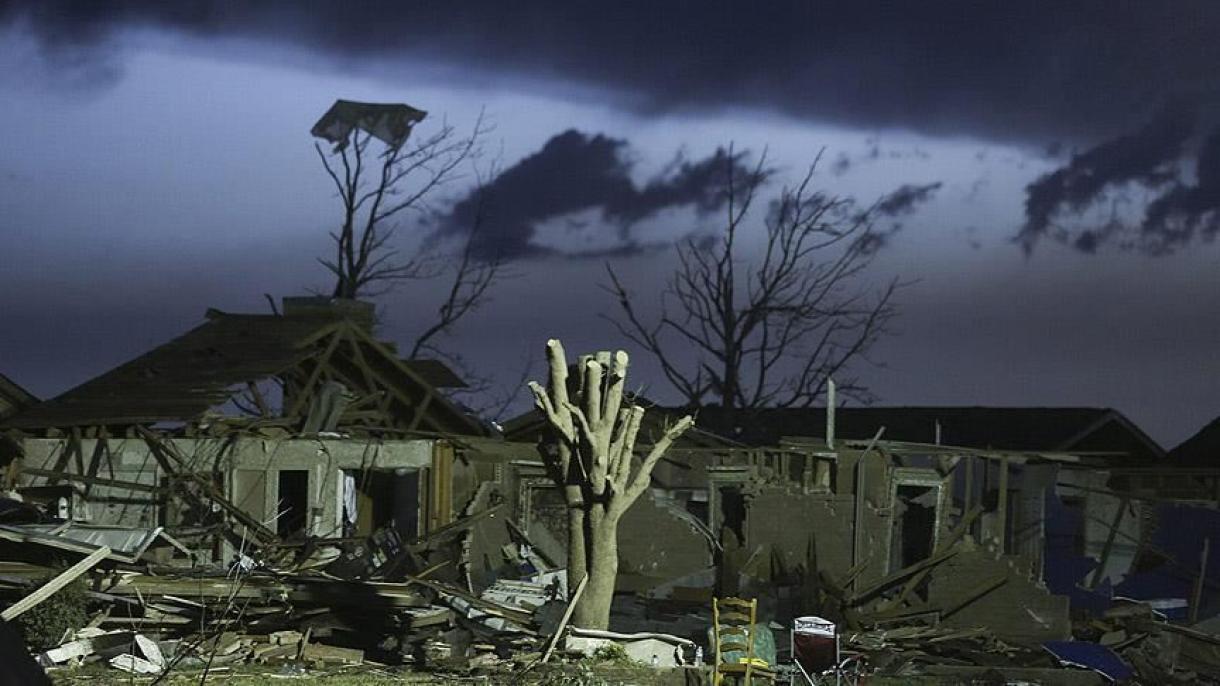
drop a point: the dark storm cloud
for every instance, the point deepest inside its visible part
(574, 172)
(893, 206)
(1152, 160)
(907, 198)
(1146, 157)
(1186, 211)
(1037, 69)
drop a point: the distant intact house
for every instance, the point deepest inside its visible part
(13, 398)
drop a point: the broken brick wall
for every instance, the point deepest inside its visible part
(1020, 610)
(658, 542)
(783, 521)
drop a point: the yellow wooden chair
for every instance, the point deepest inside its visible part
(733, 627)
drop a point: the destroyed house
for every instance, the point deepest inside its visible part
(893, 522)
(1080, 497)
(259, 428)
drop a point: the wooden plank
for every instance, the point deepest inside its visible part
(440, 491)
(954, 536)
(968, 487)
(1196, 598)
(165, 452)
(61, 463)
(460, 525)
(54, 585)
(978, 591)
(902, 574)
(518, 616)
(305, 392)
(857, 542)
(100, 448)
(1099, 573)
(1001, 508)
(567, 616)
(96, 481)
(78, 455)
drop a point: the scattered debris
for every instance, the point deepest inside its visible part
(360, 518)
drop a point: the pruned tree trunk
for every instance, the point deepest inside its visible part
(589, 452)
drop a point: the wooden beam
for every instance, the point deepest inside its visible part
(421, 411)
(857, 542)
(902, 574)
(974, 593)
(1196, 598)
(370, 378)
(54, 585)
(78, 455)
(1099, 573)
(1001, 508)
(259, 401)
(61, 463)
(100, 448)
(954, 536)
(567, 617)
(306, 389)
(398, 364)
(165, 452)
(968, 487)
(96, 481)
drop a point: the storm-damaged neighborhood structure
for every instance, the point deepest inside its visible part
(285, 487)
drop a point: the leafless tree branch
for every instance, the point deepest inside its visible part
(769, 331)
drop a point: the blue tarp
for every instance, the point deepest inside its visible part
(1092, 656)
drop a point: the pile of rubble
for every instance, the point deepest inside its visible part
(322, 602)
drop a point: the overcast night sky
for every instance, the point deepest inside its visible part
(156, 161)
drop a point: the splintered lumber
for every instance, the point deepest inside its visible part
(902, 574)
(1108, 546)
(518, 616)
(94, 480)
(1196, 596)
(200, 589)
(83, 647)
(974, 593)
(954, 536)
(857, 522)
(567, 616)
(452, 528)
(167, 456)
(54, 585)
(317, 652)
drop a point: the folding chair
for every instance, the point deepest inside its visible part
(815, 648)
(734, 630)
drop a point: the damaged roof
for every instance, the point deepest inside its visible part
(13, 397)
(1060, 429)
(203, 368)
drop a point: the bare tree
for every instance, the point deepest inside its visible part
(379, 184)
(376, 190)
(471, 279)
(590, 454)
(769, 331)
